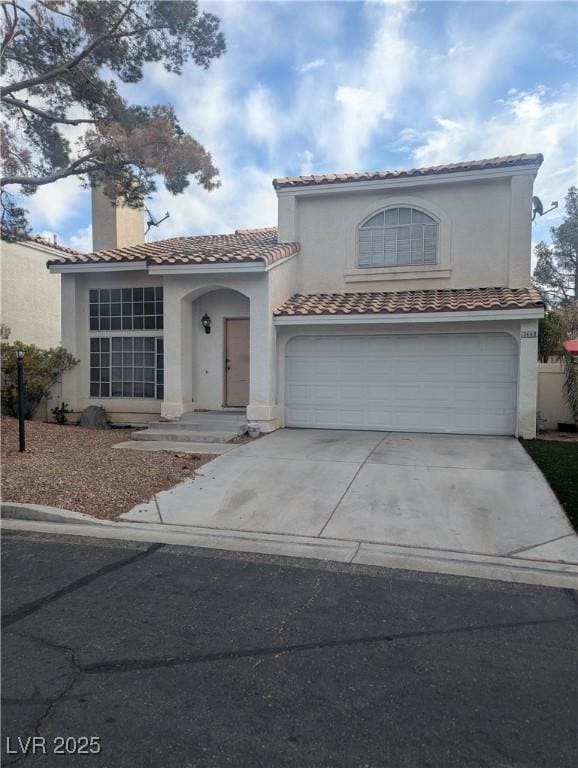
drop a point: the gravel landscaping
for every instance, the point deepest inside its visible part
(78, 469)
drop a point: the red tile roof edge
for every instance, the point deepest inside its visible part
(508, 161)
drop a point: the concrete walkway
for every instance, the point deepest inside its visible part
(472, 497)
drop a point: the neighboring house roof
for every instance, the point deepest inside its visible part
(469, 165)
(403, 302)
(571, 346)
(38, 240)
(244, 245)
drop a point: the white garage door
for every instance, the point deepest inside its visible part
(462, 383)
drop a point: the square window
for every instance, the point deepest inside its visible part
(149, 308)
(149, 344)
(149, 294)
(104, 390)
(138, 343)
(137, 294)
(138, 308)
(127, 344)
(95, 374)
(105, 310)
(117, 373)
(127, 359)
(104, 295)
(404, 215)
(159, 293)
(117, 358)
(138, 389)
(104, 345)
(138, 374)
(126, 323)
(117, 344)
(94, 345)
(160, 393)
(149, 322)
(105, 323)
(115, 309)
(127, 294)
(149, 390)
(159, 377)
(138, 323)
(93, 324)
(94, 358)
(105, 374)
(127, 389)
(149, 374)
(159, 344)
(138, 357)
(159, 323)
(116, 389)
(160, 360)
(149, 359)
(115, 294)
(115, 324)
(93, 310)
(94, 390)
(93, 295)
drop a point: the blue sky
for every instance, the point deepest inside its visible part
(309, 87)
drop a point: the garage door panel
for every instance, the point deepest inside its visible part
(465, 383)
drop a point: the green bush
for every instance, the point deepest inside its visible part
(42, 369)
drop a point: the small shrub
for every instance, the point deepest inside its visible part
(60, 413)
(42, 369)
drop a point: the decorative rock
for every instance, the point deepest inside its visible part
(94, 417)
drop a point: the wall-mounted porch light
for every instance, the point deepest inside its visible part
(206, 323)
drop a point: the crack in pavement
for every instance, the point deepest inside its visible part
(128, 665)
(28, 608)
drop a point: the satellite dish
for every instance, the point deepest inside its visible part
(538, 208)
(152, 222)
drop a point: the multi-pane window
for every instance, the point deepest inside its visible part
(398, 237)
(127, 366)
(126, 309)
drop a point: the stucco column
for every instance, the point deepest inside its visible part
(71, 324)
(178, 350)
(527, 378)
(262, 407)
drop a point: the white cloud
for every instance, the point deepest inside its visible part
(310, 66)
(81, 240)
(56, 204)
(306, 157)
(263, 119)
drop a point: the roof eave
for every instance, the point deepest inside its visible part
(448, 177)
(370, 318)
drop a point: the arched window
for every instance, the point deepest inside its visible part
(398, 237)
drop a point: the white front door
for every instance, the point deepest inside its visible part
(456, 383)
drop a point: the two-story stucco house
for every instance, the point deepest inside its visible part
(387, 301)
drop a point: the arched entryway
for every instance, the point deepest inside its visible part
(220, 354)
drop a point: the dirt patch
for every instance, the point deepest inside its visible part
(78, 469)
(562, 437)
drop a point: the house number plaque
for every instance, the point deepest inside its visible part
(529, 334)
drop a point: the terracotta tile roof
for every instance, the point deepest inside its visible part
(244, 245)
(468, 165)
(403, 302)
(18, 238)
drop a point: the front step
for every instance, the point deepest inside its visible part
(197, 427)
(184, 436)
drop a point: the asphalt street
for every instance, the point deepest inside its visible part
(129, 655)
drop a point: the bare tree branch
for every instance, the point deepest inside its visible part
(11, 101)
(74, 169)
(67, 66)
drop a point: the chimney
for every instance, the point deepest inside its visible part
(114, 226)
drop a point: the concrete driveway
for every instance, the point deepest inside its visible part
(480, 495)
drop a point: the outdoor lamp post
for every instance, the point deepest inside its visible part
(20, 368)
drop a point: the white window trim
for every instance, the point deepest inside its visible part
(441, 270)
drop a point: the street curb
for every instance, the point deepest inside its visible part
(11, 510)
(508, 569)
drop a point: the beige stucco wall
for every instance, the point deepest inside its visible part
(30, 294)
(552, 404)
(114, 226)
(484, 235)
